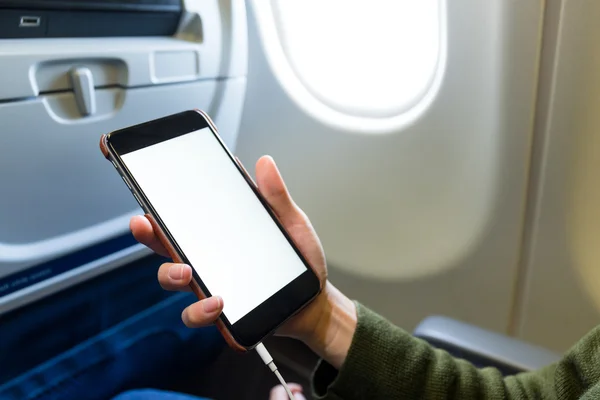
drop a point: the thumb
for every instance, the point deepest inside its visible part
(271, 186)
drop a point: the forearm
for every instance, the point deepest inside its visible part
(383, 362)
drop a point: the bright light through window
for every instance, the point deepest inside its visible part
(373, 59)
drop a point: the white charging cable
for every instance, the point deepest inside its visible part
(268, 360)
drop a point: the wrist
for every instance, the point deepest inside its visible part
(330, 338)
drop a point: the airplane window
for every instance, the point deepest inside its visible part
(358, 64)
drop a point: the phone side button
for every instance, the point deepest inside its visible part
(139, 202)
(122, 177)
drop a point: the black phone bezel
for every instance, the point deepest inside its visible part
(272, 313)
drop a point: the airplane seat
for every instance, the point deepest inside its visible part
(482, 347)
(64, 211)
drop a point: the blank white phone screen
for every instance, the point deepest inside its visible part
(216, 219)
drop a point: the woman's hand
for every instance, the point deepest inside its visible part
(315, 324)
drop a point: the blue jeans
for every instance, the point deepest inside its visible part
(118, 332)
(151, 394)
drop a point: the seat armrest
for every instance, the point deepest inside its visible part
(482, 347)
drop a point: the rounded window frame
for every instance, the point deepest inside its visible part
(322, 110)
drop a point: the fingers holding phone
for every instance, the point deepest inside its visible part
(177, 278)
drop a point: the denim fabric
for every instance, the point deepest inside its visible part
(151, 394)
(118, 332)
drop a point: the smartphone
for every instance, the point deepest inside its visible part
(209, 214)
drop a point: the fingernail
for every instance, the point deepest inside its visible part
(176, 272)
(211, 304)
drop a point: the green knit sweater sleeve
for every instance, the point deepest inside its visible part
(385, 362)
